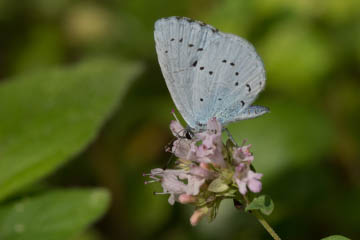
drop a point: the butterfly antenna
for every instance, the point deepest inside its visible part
(168, 148)
(169, 161)
(173, 113)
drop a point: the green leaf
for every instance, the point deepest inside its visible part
(55, 215)
(218, 185)
(48, 117)
(262, 203)
(336, 237)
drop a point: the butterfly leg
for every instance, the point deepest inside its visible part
(231, 137)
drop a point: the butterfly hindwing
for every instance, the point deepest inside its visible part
(229, 78)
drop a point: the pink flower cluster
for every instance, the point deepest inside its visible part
(202, 161)
(209, 151)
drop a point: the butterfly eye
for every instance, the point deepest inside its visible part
(189, 135)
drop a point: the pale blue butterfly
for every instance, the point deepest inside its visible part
(208, 73)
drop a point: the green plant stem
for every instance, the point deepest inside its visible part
(265, 224)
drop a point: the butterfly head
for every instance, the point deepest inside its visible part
(189, 133)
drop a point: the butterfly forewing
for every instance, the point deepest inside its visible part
(179, 43)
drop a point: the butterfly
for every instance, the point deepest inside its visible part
(208, 73)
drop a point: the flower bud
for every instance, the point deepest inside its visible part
(205, 166)
(198, 215)
(185, 199)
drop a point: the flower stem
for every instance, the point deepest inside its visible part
(265, 224)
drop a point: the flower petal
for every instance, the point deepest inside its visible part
(254, 185)
(176, 128)
(242, 186)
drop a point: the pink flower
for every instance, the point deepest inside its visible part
(214, 126)
(198, 215)
(242, 154)
(202, 172)
(182, 147)
(185, 149)
(210, 150)
(186, 199)
(172, 182)
(246, 178)
(176, 128)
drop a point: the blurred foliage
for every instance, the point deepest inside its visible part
(335, 237)
(308, 147)
(43, 123)
(47, 216)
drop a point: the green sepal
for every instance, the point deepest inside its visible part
(213, 211)
(229, 144)
(263, 203)
(228, 151)
(218, 185)
(230, 193)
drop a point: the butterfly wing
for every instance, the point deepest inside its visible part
(228, 80)
(179, 44)
(208, 73)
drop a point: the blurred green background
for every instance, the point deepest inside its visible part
(308, 147)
